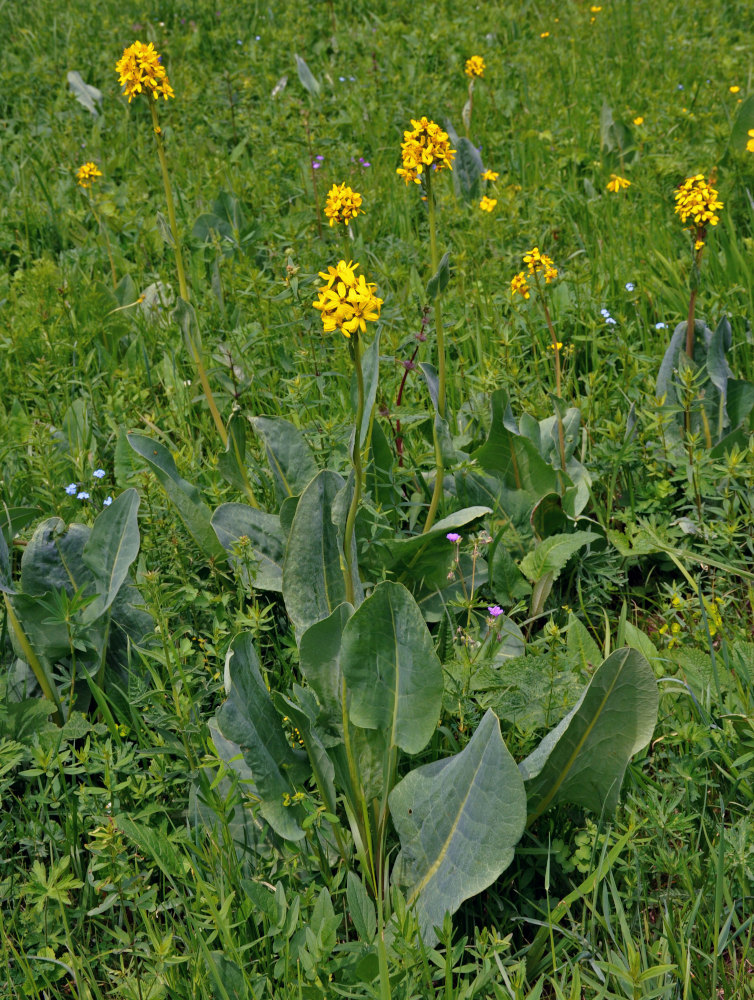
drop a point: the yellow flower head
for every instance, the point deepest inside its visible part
(539, 262)
(734, 89)
(545, 34)
(556, 346)
(343, 204)
(750, 143)
(617, 183)
(638, 120)
(424, 145)
(490, 175)
(347, 302)
(487, 204)
(140, 71)
(475, 66)
(519, 285)
(87, 174)
(697, 200)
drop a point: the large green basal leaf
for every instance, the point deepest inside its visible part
(391, 669)
(264, 567)
(111, 548)
(458, 820)
(320, 652)
(313, 583)
(513, 458)
(584, 758)
(183, 495)
(288, 454)
(249, 719)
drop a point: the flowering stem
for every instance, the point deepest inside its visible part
(439, 467)
(692, 302)
(556, 352)
(357, 472)
(182, 286)
(102, 229)
(313, 172)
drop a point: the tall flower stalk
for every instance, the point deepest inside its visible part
(426, 150)
(541, 268)
(140, 71)
(474, 70)
(86, 176)
(696, 200)
(347, 302)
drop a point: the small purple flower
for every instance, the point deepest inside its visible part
(82, 495)
(408, 364)
(107, 501)
(99, 473)
(495, 610)
(71, 489)
(630, 286)
(315, 165)
(453, 536)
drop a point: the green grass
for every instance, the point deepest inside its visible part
(133, 862)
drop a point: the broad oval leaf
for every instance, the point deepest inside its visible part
(458, 820)
(393, 674)
(249, 719)
(584, 758)
(264, 567)
(111, 548)
(313, 581)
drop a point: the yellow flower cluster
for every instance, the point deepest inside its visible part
(519, 285)
(87, 174)
(617, 183)
(487, 204)
(424, 145)
(475, 67)
(345, 302)
(140, 71)
(750, 143)
(536, 262)
(697, 200)
(343, 204)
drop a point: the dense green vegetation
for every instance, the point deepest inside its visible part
(411, 663)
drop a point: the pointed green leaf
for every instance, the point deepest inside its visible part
(467, 169)
(458, 820)
(551, 555)
(289, 456)
(249, 719)
(306, 77)
(583, 759)
(111, 548)
(439, 280)
(319, 655)
(313, 584)
(183, 495)
(263, 567)
(391, 669)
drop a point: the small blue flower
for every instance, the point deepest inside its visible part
(107, 501)
(342, 79)
(610, 321)
(680, 86)
(71, 489)
(604, 312)
(630, 286)
(82, 495)
(659, 326)
(99, 473)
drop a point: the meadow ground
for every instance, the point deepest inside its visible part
(377, 561)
